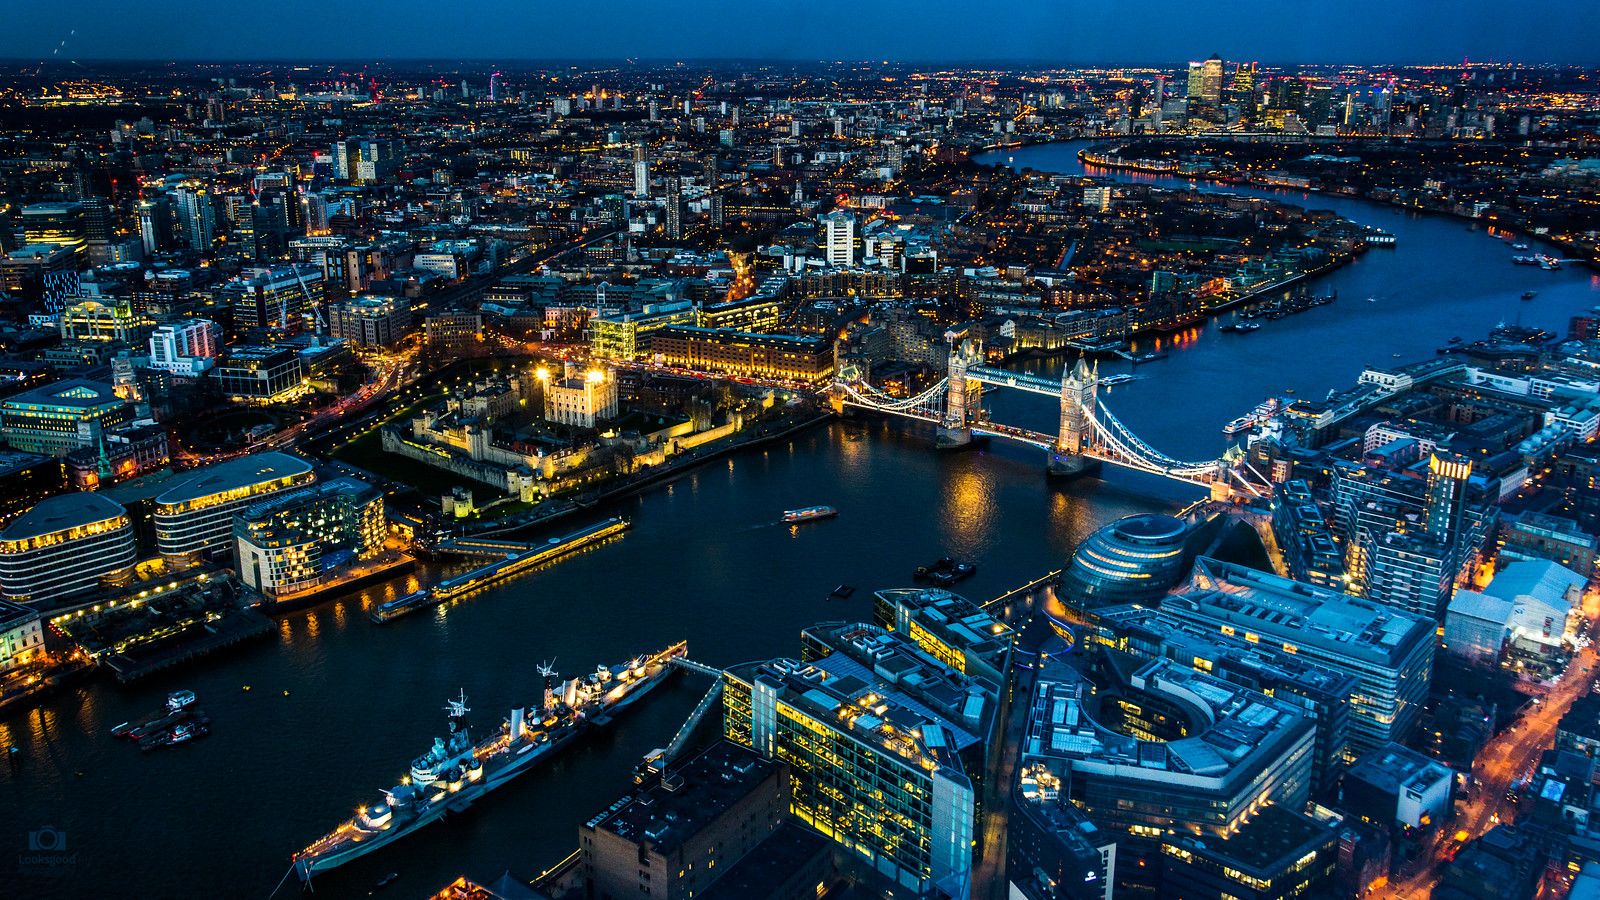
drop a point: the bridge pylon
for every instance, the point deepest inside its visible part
(963, 400)
(1079, 393)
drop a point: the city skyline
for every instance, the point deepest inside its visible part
(1365, 32)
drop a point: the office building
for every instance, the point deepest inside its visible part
(675, 835)
(1136, 559)
(1278, 854)
(249, 373)
(1536, 535)
(289, 542)
(29, 478)
(626, 335)
(1205, 80)
(196, 218)
(155, 224)
(55, 224)
(193, 517)
(1320, 694)
(1389, 651)
(276, 298)
(1053, 850)
(759, 313)
(28, 271)
(579, 400)
(452, 334)
(21, 636)
(807, 359)
(886, 747)
(948, 627)
(370, 321)
(1392, 785)
(839, 238)
(365, 160)
(61, 417)
(188, 347)
(65, 546)
(97, 320)
(1164, 747)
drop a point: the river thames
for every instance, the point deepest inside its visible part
(337, 706)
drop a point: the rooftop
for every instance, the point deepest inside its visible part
(1538, 578)
(772, 862)
(1270, 842)
(14, 614)
(245, 471)
(1392, 767)
(1233, 728)
(60, 513)
(1305, 615)
(689, 798)
(71, 393)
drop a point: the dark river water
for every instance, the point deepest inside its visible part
(337, 706)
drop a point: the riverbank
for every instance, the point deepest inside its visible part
(1089, 157)
(679, 465)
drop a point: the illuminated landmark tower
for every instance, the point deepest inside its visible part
(1078, 397)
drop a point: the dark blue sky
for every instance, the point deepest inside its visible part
(1056, 30)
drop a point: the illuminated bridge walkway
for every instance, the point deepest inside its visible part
(689, 665)
(1089, 433)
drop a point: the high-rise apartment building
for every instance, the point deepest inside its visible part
(840, 238)
(291, 541)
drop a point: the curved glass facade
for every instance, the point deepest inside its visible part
(1132, 560)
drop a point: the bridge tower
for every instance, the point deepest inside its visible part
(1079, 386)
(963, 400)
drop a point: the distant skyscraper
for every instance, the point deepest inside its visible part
(641, 178)
(1205, 80)
(155, 224)
(1243, 87)
(197, 219)
(675, 210)
(841, 237)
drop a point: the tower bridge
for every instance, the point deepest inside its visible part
(1088, 435)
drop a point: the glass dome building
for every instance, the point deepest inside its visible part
(1133, 560)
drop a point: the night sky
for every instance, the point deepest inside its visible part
(1069, 31)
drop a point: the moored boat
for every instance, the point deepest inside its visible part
(456, 771)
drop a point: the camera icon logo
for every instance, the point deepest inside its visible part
(47, 839)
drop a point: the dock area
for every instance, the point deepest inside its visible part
(161, 628)
(392, 564)
(193, 641)
(508, 567)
